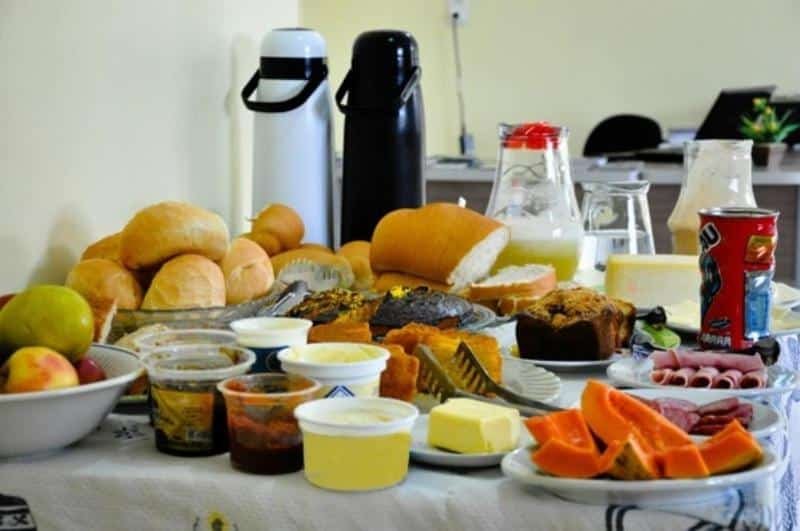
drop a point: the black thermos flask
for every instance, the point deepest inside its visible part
(384, 131)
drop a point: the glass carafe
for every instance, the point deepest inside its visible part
(616, 220)
(718, 173)
(533, 194)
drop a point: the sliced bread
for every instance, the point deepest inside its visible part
(532, 280)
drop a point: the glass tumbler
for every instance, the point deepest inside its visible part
(616, 220)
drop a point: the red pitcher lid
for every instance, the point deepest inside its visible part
(532, 135)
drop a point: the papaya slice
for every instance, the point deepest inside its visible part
(632, 462)
(560, 458)
(615, 416)
(568, 426)
(660, 432)
(732, 449)
(602, 417)
(684, 462)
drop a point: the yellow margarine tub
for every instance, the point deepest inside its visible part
(343, 369)
(356, 444)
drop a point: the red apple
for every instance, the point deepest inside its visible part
(5, 298)
(89, 371)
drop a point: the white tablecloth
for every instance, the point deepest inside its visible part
(115, 479)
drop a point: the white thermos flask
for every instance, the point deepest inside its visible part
(292, 141)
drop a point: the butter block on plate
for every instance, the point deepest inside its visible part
(472, 427)
(653, 280)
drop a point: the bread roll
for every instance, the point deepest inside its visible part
(100, 279)
(316, 247)
(357, 253)
(247, 270)
(187, 281)
(440, 241)
(161, 231)
(282, 222)
(107, 248)
(340, 263)
(386, 281)
(265, 240)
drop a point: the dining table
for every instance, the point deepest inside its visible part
(116, 479)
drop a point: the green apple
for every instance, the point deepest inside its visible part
(50, 316)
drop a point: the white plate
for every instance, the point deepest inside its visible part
(527, 379)
(423, 453)
(635, 373)
(766, 419)
(518, 466)
(571, 366)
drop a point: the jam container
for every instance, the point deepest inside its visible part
(343, 369)
(187, 410)
(356, 444)
(262, 430)
(192, 336)
(266, 336)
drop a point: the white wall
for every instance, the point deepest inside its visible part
(109, 105)
(574, 62)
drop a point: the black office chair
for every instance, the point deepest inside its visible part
(622, 133)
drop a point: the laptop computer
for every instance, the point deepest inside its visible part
(721, 122)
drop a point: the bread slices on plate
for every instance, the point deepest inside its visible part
(515, 282)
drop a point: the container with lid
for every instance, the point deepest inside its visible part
(356, 444)
(718, 173)
(266, 336)
(533, 194)
(188, 412)
(384, 131)
(292, 128)
(343, 369)
(262, 430)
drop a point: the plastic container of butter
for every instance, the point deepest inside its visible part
(356, 444)
(343, 369)
(266, 336)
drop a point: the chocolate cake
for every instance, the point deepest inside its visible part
(574, 325)
(401, 306)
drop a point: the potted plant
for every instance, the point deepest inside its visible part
(767, 132)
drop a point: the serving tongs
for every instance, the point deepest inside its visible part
(440, 385)
(284, 300)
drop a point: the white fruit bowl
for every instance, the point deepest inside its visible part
(31, 423)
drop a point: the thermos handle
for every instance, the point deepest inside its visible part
(398, 102)
(315, 80)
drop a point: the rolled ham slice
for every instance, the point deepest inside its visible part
(682, 376)
(661, 376)
(728, 379)
(676, 359)
(704, 377)
(754, 380)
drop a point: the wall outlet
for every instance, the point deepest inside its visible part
(460, 8)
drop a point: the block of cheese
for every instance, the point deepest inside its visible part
(472, 427)
(653, 280)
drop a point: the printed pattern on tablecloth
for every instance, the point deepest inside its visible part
(789, 486)
(15, 515)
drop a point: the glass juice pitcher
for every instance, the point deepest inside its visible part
(616, 220)
(718, 173)
(533, 194)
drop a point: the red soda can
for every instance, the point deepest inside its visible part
(737, 262)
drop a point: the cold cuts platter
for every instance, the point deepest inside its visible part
(644, 373)
(701, 416)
